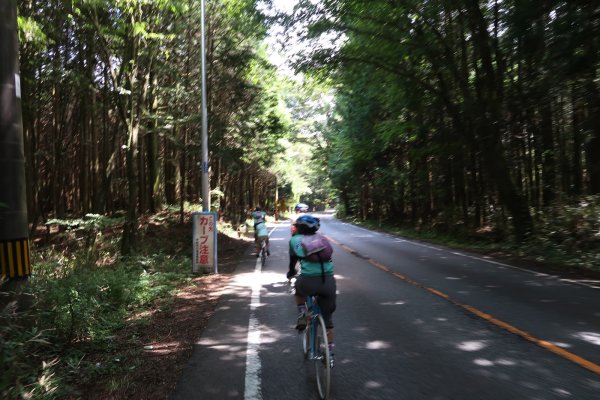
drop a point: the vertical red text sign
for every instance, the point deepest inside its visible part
(205, 242)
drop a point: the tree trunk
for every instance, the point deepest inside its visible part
(489, 122)
(152, 149)
(547, 154)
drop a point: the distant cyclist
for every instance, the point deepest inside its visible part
(260, 230)
(316, 277)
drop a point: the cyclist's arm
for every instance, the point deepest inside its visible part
(292, 265)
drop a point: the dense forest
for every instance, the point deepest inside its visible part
(459, 113)
(456, 116)
(111, 108)
(467, 121)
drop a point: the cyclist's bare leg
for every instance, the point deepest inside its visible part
(300, 300)
(258, 243)
(330, 335)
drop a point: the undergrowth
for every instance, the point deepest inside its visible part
(80, 297)
(566, 236)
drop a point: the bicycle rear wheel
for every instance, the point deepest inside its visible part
(322, 359)
(263, 253)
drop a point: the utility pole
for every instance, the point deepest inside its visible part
(205, 222)
(205, 176)
(15, 263)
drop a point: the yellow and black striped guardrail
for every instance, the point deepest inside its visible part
(14, 258)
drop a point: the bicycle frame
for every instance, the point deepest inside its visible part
(313, 312)
(316, 346)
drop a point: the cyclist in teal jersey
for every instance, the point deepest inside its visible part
(258, 216)
(315, 279)
(260, 230)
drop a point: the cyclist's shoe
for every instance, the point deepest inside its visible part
(301, 322)
(268, 253)
(331, 358)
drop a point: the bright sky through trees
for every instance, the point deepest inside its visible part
(287, 46)
(277, 51)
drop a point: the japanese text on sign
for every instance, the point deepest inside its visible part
(204, 258)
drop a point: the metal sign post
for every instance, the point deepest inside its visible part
(204, 259)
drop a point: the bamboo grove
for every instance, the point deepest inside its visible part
(460, 112)
(111, 106)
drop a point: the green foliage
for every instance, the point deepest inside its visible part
(447, 110)
(87, 303)
(301, 167)
(23, 349)
(30, 31)
(79, 305)
(568, 236)
(570, 232)
(88, 223)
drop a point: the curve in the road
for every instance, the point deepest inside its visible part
(487, 317)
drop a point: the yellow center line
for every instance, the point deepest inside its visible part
(486, 317)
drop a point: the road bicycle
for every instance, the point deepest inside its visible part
(316, 346)
(263, 252)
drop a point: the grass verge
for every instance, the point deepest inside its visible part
(89, 308)
(540, 252)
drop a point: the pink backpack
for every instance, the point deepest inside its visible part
(316, 247)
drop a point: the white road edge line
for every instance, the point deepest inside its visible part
(592, 285)
(588, 284)
(252, 382)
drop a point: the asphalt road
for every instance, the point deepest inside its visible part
(414, 321)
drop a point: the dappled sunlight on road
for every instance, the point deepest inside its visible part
(489, 363)
(232, 347)
(271, 240)
(393, 303)
(483, 362)
(373, 385)
(562, 392)
(270, 335)
(270, 294)
(252, 279)
(561, 344)
(377, 345)
(472, 345)
(590, 337)
(361, 329)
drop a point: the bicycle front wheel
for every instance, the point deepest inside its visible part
(322, 359)
(306, 339)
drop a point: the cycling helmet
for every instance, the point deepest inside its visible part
(307, 223)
